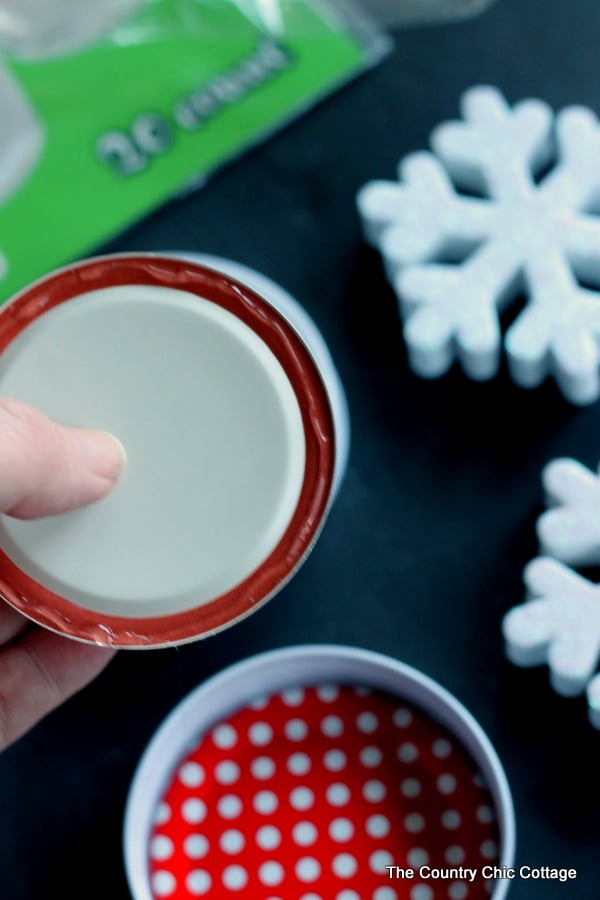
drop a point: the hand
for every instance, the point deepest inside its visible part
(45, 469)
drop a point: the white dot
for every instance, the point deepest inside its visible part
(302, 798)
(295, 729)
(489, 849)
(335, 760)
(485, 814)
(451, 819)
(327, 693)
(479, 780)
(379, 860)
(262, 768)
(347, 895)
(259, 702)
(446, 783)
(367, 722)
(271, 873)
(232, 841)
(385, 893)
(458, 891)
(408, 752)
(454, 854)
(307, 869)
(195, 846)
(362, 690)
(227, 772)
(344, 865)
(378, 826)
(224, 736)
(235, 878)
(417, 857)
(341, 830)
(299, 763)
(304, 834)
(163, 883)
(332, 726)
(402, 717)
(421, 892)
(374, 791)
(311, 896)
(293, 696)
(265, 802)
(229, 806)
(193, 810)
(441, 748)
(268, 837)
(414, 823)
(260, 734)
(161, 847)
(338, 794)
(370, 757)
(192, 775)
(198, 882)
(411, 787)
(162, 814)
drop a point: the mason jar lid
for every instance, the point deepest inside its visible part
(229, 438)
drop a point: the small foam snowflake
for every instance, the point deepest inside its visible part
(456, 260)
(570, 531)
(560, 622)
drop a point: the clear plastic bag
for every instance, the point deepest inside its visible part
(34, 29)
(110, 107)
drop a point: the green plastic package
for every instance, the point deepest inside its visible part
(109, 109)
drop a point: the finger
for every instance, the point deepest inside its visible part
(12, 623)
(37, 673)
(47, 468)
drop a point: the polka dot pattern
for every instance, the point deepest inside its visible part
(311, 793)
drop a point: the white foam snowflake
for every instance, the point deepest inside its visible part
(570, 530)
(457, 260)
(560, 622)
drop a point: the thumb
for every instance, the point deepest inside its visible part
(47, 468)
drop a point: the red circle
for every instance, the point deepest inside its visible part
(324, 792)
(63, 616)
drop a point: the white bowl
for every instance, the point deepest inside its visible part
(275, 671)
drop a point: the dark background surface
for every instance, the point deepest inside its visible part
(424, 550)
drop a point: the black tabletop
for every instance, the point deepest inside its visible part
(424, 550)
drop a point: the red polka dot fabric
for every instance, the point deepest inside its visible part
(310, 794)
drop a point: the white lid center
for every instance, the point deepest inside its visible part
(214, 440)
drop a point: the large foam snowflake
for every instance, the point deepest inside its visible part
(457, 259)
(560, 622)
